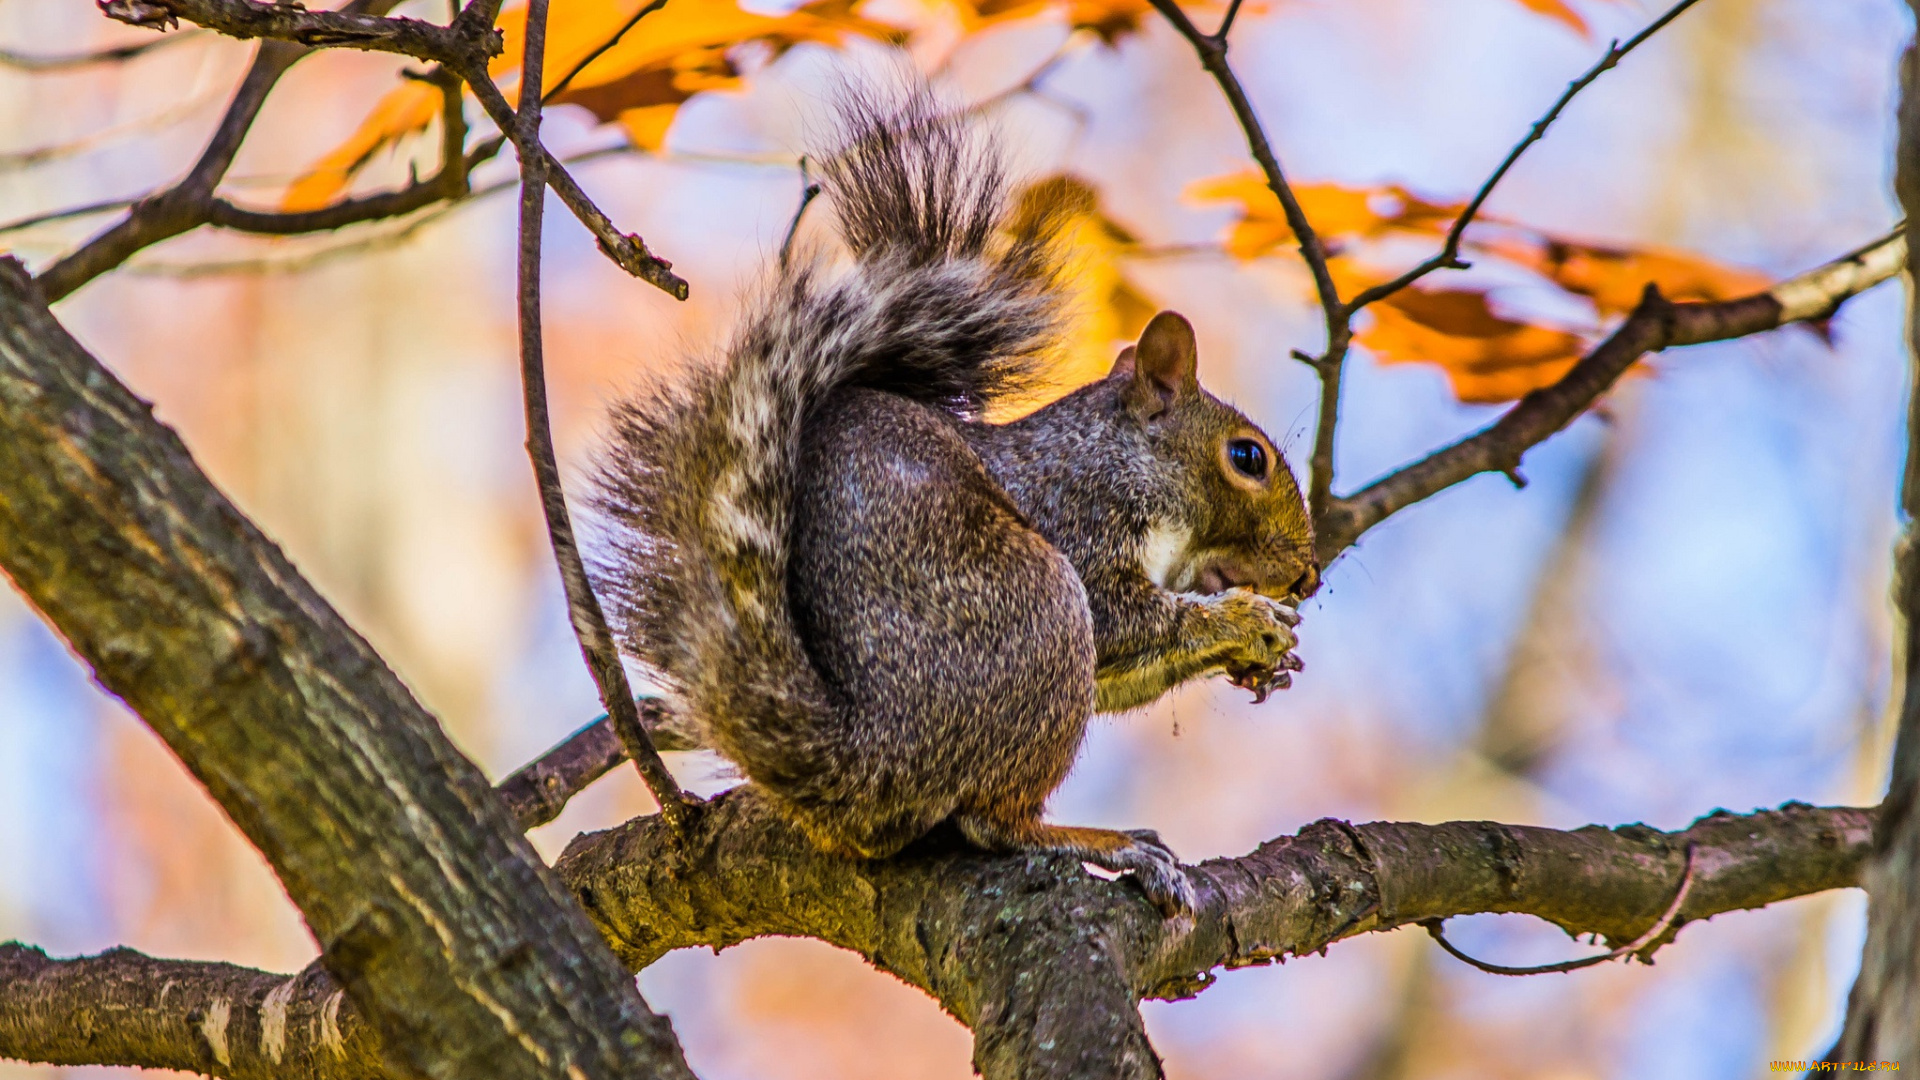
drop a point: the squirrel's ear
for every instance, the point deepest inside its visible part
(1165, 363)
(1122, 365)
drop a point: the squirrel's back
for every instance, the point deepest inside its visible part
(939, 302)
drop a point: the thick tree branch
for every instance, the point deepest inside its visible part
(124, 1008)
(1655, 325)
(1044, 961)
(434, 915)
(1883, 1008)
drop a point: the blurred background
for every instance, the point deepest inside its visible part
(1684, 610)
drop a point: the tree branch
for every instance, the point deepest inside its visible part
(38, 63)
(540, 789)
(1449, 254)
(184, 206)
(1212, 51)
(1003, 942)
(1655, 325)
(356, 27)
(627, 250)
(583, 607)
(457, 945)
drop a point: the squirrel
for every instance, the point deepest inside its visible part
(890, 613)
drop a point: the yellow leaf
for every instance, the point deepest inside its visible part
(647, 125)
(408, 109)
(1108, 310)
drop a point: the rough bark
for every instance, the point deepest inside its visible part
(434, 914)
(1883, 1011)
(1043, 960)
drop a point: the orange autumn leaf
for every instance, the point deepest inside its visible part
(1337, 212)
(1487, 358)
(1561, 12)
(639, 82)
(1614, 277)
(408, 109)
(1110, 19)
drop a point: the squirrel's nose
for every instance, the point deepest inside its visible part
(1304, 585)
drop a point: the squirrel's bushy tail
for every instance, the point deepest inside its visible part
(950, 300)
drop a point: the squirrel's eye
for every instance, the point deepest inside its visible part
(1249, 458)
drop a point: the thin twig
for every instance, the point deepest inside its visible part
(561, 86)
(627, 250)
(88, 210)
(583, 607)
(1212, 50)
(1449, 254)
(540, 789)
(1629, 949)
(67, 61)
(808, 192)
(1226, 22)
(183, 207)
(189, 204)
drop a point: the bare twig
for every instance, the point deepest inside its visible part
(354, 27)
(191, 203)
(67, 213)
(1436, 927)
(447, 184)
(1212, 50)
(182, 207)
(583, 607)
(1656, 324)
(540, 789)
(627, 250)
(66, 62)
(809, 191)
(1449, 255)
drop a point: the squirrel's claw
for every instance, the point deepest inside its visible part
(1157, 871)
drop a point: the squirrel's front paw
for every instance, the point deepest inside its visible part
(1260, 646)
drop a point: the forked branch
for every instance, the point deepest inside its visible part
(1338, 314)
(1655, 325)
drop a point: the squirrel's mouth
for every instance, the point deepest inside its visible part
(1218, 577)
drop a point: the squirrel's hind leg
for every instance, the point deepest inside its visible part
(1139, 853)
